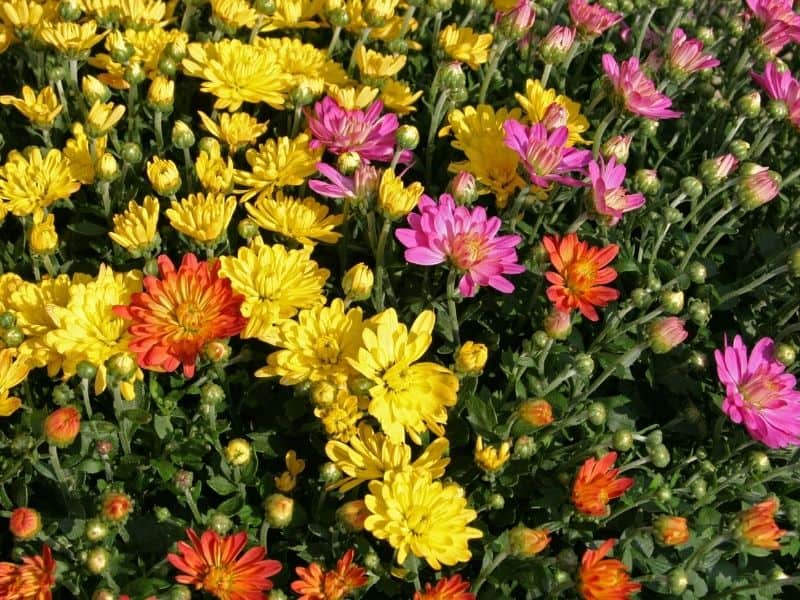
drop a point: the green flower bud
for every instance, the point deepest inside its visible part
(86, 370)
(524, 447)
(182, 135)
(678, 581)
(584, 364)
(183, 480)
(749, 105)
(697, 272)
(740, 149)
(540, 339)
(95, 530)
(794, 263)
(648, 128)
(496, 502)
(247, 229)
(597, 413)
(7, 320)
(220, 522)
(671, 214)
(777, 109)
(277, 595)
(623, 440)
(407, 137)
(659, 456)
(698, 361)
(212, 394)
(452, 76)
(162, 513)
(699, 311)
(13, 337)
(135, 74)
(664, 495)
(69, 10)
(131, 153)
(330, 473)
(654, 438)
(705, 35)
(785, 354)
(640, 297)
(699, 488)
(279, 510)
(672, 301)
(646, 181)
(692, 187)
(62, 394)
(348, 162)
(180, 592)
(372, 561)
(265, 7)
(97, 560)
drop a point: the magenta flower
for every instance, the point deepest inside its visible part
(544, 153)
(782, 87)
(465, 237)
(609, 197)
(365, 132)
(685, 55)
(636, 91)
(757, 186)
(759, 393)
(781, 23)
(362, 185)
(517, 21)
(591, 19)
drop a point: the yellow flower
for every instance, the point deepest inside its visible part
(294, 14)
(374, 64)
(102, 117)
(369, 455)
(43, 237)
(202, 217)
(394, 199)
(25, 16)
(377, 12)
(288, 479)
(276, 283)
(237, 130)
(71, 39)
(357, 282)
(134, 14)
(40, 109)
(398, 98)
(464, 45)
(305, 64)
(135, 228)
(161, 93)
(306, 220)
(339, 418)
(353, 98)
(537, 100)
(407, 396)
(233, 14)
(491, 458)
(94, 90)
(235, 73)
(471, 357)
(277, 163)
(163, 176)
(316, 346)
(30, 181)
(214, 172)
(79, 157)
(419, 516)
(13, 371)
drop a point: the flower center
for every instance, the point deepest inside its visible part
(760, 391)
(218, 580)
(616, 198)
(580, 275)
(543, 159)
(189, 316)
(468, 250)
(327, 349)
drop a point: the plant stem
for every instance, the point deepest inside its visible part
(601, 129)
(497, 54)
(567, 373)
(546, 74)
(157, 129)
(361, 41)
(193, 506)
(626, 359)
(380, 271)
(337, 31)
(710, 544)
(716, 218)
(643, 31)
(753, 586)
(488, 570)
(754, 284)
(436, 118)
(124, 440)
(56, 464)
(262, 534)
(451, 304)
(86, 402)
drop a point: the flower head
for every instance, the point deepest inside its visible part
(463, 44)
(526, 542)
(555, 46)
(202, 217)
(62, 426)
(163, 176)
(580, 275)
(25, 523)
(394, 199)
(237, 130)
(303, 220)
(538, 101)
(447, 588)
(40, 109)
(373, 64)
(781, 24)
(43, 238)
(517, 21)
(783, 87)
(335, 584)
(602, 578)
(685, 55)
(102, 118)
(116, 506)
(470, 358)
(635, 91)
(591, 19)
(135, 228)
(596, 484)
(491, 458)
(71, 39)
(759, 392)
(757, 527)
(32, 580)
(31, 180)
(536, 411)
(757, 186)
(609, 197)
(398, 97)
(671, 531)
(13, 371)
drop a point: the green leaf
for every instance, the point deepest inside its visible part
(261, 442)
(162, 425)
(698, 584)
(221, 485)
(88, 229)
(481, 412)
(91, 465)
(137, 415)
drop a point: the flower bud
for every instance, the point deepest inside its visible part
(692, 187)
(758, 462)
(69, 10)
(407, 137)
(43, 236)
(95, 530)
(526, 542)
(221, 523)
(740, 149)
(183, 480)
(97, 560)
(659, 455)
(785, 354)
(699, 311)
(7, 320)
(648, 127)
(182, 136)
(116, 506)
(699, 488)
(163, 176)
(496, 502)
(463, 188)
(758, 186)
(62, 426)
(365, 184)
(777, 109)
(556, 45)
(351, 515)
(161, 94)
(238, 452)
(135, 74)
(279, 510)
(646, 181)
(104, 448)
(671, 531)
(697, 272)
(25, 523)
(558, 325)
(13, 337)
(666, 333)
(247, 229)
(524, 447)
(749, 105)
(715, 170)
(131, 153)
(470, 358)
(623, 440)
(167, 66)
(617, 147)
(107, 168)
(515, 23)
(678, 581)
(330, 473)
(540, 339)
(451, 76)
(102, 118)
(357, 282)
(103, 593)
(672, 301)
(217, 351)
(94, 90)
(596, 413)
(348, 162)
(584, 364)
(122, 366)
(536, 411)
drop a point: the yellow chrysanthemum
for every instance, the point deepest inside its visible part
(463, 44)
(304, 220)
(276, 283)
(236, 73)
(392, 25)
(422, 517)
(396, 200)
(214, 172)
(40, 109)
(42, 237)
(233, 14)
(294, 14)
(340, 417)
(236, 130)
(135, 228)
(353, 98)
(491, 458)
(26, 17)
(537, 100)
(163, 175)
(316, 346)
(479, 133)
(14, 369)
(71, 39)
(102, 117)
(277, 163)
(30, 181)
(375, 64)
(305, 64)
(79, 156)
(202, 217)
(369, 455)
(398, 98)
(407, 396)
(133, 14)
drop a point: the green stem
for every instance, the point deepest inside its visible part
(56, 465)
(380, 271)
(716, 218)
(361, 41)
(497, 54)
(188, 165)
(158, 131)
(656, 248)
(709, 544)
(262, 534)
(487, 571)
(87, 404)
(754, 284)
(193, 506)
(546, 74)
(728, 593)
(256, 29)
(124, 440)
(337, 31)
(601, 129)
(643, 31)
(451, 304)
(187, 15)
(790, 178)
(436, 118)
(409, 14)
(566, 374)
(626, 359)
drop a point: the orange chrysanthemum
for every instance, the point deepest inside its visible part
(212, 563)
(316, 584)
(180, 313)
(32, 580)
(450, 588)
(757, 525)
(596, 484)
(603, 578)
(580, 275)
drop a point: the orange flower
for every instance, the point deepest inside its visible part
(526, 542)
(596, 484)
(25, 523)
(671, 531)
(179, 313)
(31, 580)
(451, 588)
(62, 426)
(757, 525)
(603, 578)
(580, 275)
(212, 563)
(537, 412)
(116, 506)
(316, 584)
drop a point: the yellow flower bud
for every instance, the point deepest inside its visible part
(161, 94)
(107, 167)
(357, 282)
(102, 117)
(526, 542)
(164, 176)
(492, 458)
(279, 509)
(94, 90)
(43, 236)
(238, 452)
(471, 358)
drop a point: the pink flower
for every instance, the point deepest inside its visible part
(781, 23)
(759, 393)
(365, 132)
(609, 196)
(465, 237)
(591, 19)
(361, 186)
(638, 93)
(557, 43)
(517, 21)
(667, 333)
(685, 56)
(782, 87)
(544, 154)
(758, 186)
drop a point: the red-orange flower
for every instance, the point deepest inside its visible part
(757, 525)
(603, 578)
(316, 584)
(32, 580)
(62, 426)
(580, 274)
(179, 313)
(671, 531)
(596, 484)
(451, 588)
(25, 523)
(116, 506)
(212, 563)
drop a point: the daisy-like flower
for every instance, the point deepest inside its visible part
(163, 175)
(464, 45)
(783, 87)
(366, 132)
(398, 98)
(601, 578)
(580, 275)
(216, 565)
(378, 66)
(394, 199)
(637, 94)
(537, 101)
(466, 238)
(135, 14)
(305, 64)
(135, 228)
(781, 24)
(353, 98)
(40, 109)
(214, 172)
(304, 220)
(407, 396)
(491, 458)
(369, 455)
(32, 580)
(202, 217)
(685, 55)
(336, 584)
(340, 417)
(73, 40)
(419, 516)
(545, 155)
(180, 312)
(757, 527)
(609, 197)
(237, 130)
(14, 368)
(591, 20)
(596, 484)
(79, 157)
(447, 588)
(295, 14)
(759, 393)
(233, 14)
(31, 181)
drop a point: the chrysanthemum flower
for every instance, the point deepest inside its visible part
(781, 24)
(216, 565)
(757, 186)
(591, 19)
(336, 584)
(237, 130)
(71, 39)
(447, 588)
(202, 217)
(13, 371)
(609, 197)
(685, 55)
(340, 417)
(580, 275)
(32, 580)
(422, 517)
(78, 156)
(134, 14)
(102, 118)
(163, 175)
(635, 91)
(30, 181)
(491, 458)
(759, 392)
(464, 45)
(398, 97)
(671, 530)
(379, 66)
(601, 578)
(353, 98)
(783, 87)
(304, 220)
(40, 109)
(360, 188)
(179, 313)
(596, 484)
(295, 14)
(537, 101)
(233, 14)
(135, 228)
(304, 64)
(24, 18)
(467, 239)
(757, 527)
(396, 200)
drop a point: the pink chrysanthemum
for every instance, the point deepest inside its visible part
(366, 132)
(609, 196)
(592, 19)
(685, 55)
(783, 87)
(545, 154)
(636, 91)
(467, 238)
(361, 186)
(781, 23)
(759, 393)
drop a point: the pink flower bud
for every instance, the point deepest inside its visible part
(464, 188)
(758, 186)
(557, 43)
(555, 116)
(618, 147)
(558, 325)
(667, 333)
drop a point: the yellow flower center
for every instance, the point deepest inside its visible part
(219, 580)
(327, 349)
(189, 316)
(467, 250)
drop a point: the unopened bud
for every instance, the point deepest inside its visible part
(666, 333)
(238, 452)
(536, 411)
(107, 167)
(558, 325)
(352, 515)
(646, 181)
(617, 147)
(623, 440)
(279, 510)
(463, 188)
(183, 480)
(407, 137)
(220, 522)
(556, 45)
(62, 426)
(526, 542)
(740, 149)
(348, 162)
(470, 358)
(596, 413)
(749, 105)
(672, 301)
(692, 187)
(211, 393)
(182, 135)
(95, 530)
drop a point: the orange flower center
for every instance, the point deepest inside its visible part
(189, 316)
(467, 250)
(218, 581)
(580, 275)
